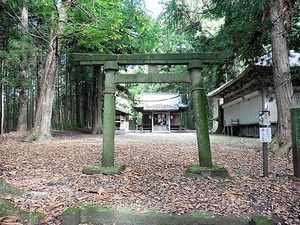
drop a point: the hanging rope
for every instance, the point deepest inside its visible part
(119, 94)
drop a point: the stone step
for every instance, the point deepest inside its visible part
(161, 128)
(97, 214)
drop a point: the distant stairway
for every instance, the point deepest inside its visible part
(161, 128)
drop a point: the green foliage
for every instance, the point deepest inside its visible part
(294, 28)
(172, 42)
(111, 27)
(182, 15)
(244, 32)
(244, 35)
(102, 26)
(19, 57)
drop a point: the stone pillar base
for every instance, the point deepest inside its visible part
(99, 169)
(195, 170)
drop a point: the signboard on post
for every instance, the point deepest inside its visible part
(264, 118)
(265, 134)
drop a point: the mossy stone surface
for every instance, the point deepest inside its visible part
(25, 217)
(294, 178)
(97, 214)
(257, 219)
(95, 208)
(99, 169)
(195, 170)
(8, 209)
(7, 189)
(71, 216)
(72, 210)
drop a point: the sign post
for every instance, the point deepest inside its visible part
(265, 136)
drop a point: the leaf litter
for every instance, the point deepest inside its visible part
(51, 172)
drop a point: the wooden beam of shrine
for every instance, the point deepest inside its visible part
(148, 59)
(152, 78)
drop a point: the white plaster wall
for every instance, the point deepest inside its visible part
(246, 109)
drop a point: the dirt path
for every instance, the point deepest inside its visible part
(153, 179)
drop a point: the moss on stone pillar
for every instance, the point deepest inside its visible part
(110, 69)
(201, 122)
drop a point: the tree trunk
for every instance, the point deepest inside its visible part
(72, 116)
(22, 117)
(56, 121)
(6, 111)
(31, 108)
(66, 104)
(2, 101)
(85, 104)
(97, 103)
(78, 96)
(14, 109)
(42, 122)
(281, 75)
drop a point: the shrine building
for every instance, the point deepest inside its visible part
(161, 111)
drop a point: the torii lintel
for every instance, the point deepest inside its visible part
(149, 59)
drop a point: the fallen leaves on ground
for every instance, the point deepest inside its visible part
(51, 172)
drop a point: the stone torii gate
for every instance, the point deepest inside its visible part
(111, 63)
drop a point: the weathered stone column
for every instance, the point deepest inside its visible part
(204, 151)
(110, 69)
(295, 122)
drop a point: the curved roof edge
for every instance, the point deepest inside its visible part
(217, 92)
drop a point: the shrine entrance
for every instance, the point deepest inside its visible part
(161, 122)
(161, 111)
(111, 64)
(160, 119)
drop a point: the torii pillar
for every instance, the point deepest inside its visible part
(110, 69)
(205, 167)
(201, 123)
(108, 145)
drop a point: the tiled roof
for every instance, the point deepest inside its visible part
(161, 101)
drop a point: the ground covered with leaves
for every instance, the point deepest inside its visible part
(51, 172)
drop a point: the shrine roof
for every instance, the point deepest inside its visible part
(161, 101)
(122, 111)
(253, 76)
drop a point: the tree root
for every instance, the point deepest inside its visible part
(283, 149)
